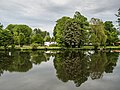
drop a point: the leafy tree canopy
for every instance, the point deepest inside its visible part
(98, 36)
(66, 30)
(5, 38)
(21, 33)
(59, 28)
(111, 32)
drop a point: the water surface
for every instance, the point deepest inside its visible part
(61, 70)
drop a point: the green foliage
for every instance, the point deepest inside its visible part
(95, 41)
(111, 33)
(10, 27)
(38, 57)
(97, 33)
(36, 38)
(37, 31)
(112, 62)
(47, 39)
(21, 34)
(21, 39)
(42, 33)
(18, 62)
(58, 30)
(78, 66)
(72, 66)
(25, 30)
(40, 36)
(71, 31)
(97, 65)
(53, 45)
(34, 46)
(5, 38)
(53, 39)
(81, 19)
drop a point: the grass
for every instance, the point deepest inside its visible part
(38, 48)
(60, 48)
(113, 47)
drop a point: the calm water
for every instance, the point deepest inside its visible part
(68, 70)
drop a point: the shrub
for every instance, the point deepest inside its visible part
(34, 46)
(52, 45)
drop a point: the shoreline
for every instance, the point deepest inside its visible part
(63, 48)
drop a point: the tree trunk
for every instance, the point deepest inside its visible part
(96, 48)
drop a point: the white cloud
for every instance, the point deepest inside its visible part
(60, 2)
(44, 13)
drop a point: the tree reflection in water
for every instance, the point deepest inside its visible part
(38, 57)
(77, 66)
(20, 61)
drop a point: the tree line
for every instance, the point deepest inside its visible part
(71, 32)
(17, 34)
(77, 31)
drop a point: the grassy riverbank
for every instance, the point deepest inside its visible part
(60, 48)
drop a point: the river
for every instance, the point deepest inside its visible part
(59, 70)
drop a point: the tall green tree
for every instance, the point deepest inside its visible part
(75, 31)
(111, 33)
(58, 30)
(10, 28)
(24, 29)
(73, 34)
(97, 36)
(5, 38)
(18, 31)
(66, 26)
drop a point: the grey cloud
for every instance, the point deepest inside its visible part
(109, 6)
(44, 13)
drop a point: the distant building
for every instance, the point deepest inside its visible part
(49, 43)
(117, 43)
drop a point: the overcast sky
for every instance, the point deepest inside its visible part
(43, 13)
